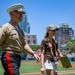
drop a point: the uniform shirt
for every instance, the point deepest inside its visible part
(47, 49)
(12, 39)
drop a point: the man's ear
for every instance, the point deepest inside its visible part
(11, 13)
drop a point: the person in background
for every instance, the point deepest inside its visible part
(39, 52)
(12, 41)
(49, 47)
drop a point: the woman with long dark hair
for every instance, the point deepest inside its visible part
(49, 48)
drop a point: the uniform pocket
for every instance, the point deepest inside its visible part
(13, 36)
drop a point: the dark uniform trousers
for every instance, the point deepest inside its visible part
(11, 63)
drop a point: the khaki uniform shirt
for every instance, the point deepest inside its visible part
(47, 50)
(11, 39)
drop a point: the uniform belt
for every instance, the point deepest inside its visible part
(12, 52)
(9, 51)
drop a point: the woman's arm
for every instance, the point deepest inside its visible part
(42, 61)
(42, 58)
(59, 53)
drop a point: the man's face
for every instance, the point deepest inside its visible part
(17, 16)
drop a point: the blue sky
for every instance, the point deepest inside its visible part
(41, 13)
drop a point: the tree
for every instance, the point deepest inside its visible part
(71, 44)
(35, 47)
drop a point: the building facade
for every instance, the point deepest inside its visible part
(63, 35)
(31, 39)
(24, 24)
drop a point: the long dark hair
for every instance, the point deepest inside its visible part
(46, 35)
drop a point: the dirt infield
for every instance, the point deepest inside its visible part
(59, 72)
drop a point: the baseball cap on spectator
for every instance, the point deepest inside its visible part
(52, 27)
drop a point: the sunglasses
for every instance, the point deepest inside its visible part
(21, 12)
(53, 30)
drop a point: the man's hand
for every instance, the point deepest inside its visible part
(37, 57)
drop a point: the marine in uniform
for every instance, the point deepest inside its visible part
(12, 41)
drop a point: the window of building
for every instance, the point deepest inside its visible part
(34, 41)
(28, 41)
(33, 36)
(28, 36)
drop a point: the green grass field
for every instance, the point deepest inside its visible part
(35, 68)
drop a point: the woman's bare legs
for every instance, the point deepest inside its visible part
(50, 72)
